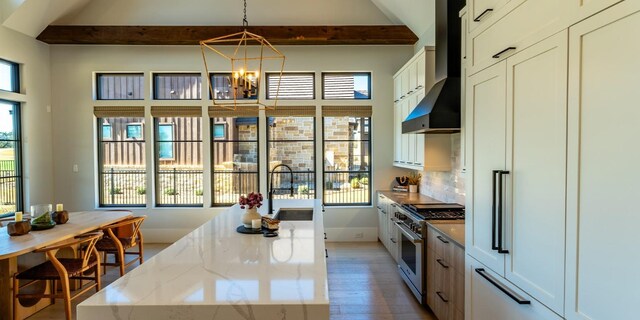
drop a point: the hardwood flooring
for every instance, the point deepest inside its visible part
(364, 284)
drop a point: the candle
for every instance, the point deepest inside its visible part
(256, 223)
(59, 207)
(19, 216)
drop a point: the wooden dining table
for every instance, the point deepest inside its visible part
(11, 248)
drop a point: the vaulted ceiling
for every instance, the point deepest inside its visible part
(31, 17)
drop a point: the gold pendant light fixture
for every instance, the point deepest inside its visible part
(248, 54)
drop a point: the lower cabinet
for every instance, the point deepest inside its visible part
(393, 234)
(490, 297)
(445, 276)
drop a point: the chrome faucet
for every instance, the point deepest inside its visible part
(270, 200)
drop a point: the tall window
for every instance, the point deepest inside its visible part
(235, 158)
(345, 85)
(178, 156)
(291, 141)
(347, 149)
(120, 86)
(10, 157)
(121, 157)
(177, 86)
(9, 76)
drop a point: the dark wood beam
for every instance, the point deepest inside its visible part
(191, 35)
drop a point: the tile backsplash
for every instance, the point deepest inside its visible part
(447, 186)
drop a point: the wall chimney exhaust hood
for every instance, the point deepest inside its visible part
(439, 110)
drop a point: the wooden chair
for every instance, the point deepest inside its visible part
(119, 237)
(62, 270)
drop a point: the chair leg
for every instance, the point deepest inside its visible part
(98, 281)
(66, 293)
(141, 251)
(54, 290)
(121, 262)
(104, 261)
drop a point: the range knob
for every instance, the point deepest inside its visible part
(401, 216)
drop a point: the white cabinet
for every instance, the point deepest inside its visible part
(464, 134)
(585, 8)
(516, 199)
(382, 219)
(393, 234)
(481, 11)
(603, 181)
(489, 297)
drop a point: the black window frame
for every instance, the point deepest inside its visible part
(313, 79)
(157, 159)
(285, 172)
(15, 76)
(348, 73)
(213, 159)
(101, 172)
(99, 82)
(211, 82)
(155, 84)
(369, 171)
(17, 140)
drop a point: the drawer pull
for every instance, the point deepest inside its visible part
(442, 296)
(325, 236)
(478, 18)
(393, 240)
(442, 239)
(516, 297)
(497, 55)
(410, 92)
(439, 261)
(419, 87)
(394, 205)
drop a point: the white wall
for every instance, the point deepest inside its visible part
(35, 97)
(75, 140)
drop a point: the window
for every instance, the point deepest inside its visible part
(219, 131)
(235, 159)
(120, 86)
(122, 170)
(346, 85)
(177, 86)
(291, 141)
(347, 161)
(10, 157)
(165, 141)
(134, 131)
(298, 86)
(178, 157)
(246, 87)
(9, 76)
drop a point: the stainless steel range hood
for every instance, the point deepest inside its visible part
(439, 110)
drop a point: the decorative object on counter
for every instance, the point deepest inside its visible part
(42, 214)
(270, 224)
(251, 202)
(414, 181)
(18, 216)
(243, 229)
(18, 228)
(256, 224)
(60, 216)
(402, 181)
(401, 189)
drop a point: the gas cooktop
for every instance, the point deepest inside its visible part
(437, 211)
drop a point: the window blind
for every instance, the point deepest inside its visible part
(240, 111)
(292, 111)
(346, 111)
(109, 112)
(180, 111)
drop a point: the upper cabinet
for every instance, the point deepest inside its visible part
(481, 11)
(417, 151)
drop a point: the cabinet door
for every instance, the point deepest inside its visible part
(397, 133)
(603, 180)
(397, 88)
(420, 71)
(382, 226)
(481, 10)
(586, 8)
(404, 158)
(486, 98)
(413, 75)
(464, 30)
(487, 301)
(418, 156)
(404, 80)
(392, 232)
(536, 149)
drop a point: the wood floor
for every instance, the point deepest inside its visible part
(363, 284)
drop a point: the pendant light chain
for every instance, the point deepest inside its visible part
(245, 23)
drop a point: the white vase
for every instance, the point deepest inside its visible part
(250, 214)
(413, 188)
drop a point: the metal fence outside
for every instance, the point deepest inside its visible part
(181, 187)
(228, 186)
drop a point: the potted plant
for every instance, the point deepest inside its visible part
(251, 203)
(414, 181)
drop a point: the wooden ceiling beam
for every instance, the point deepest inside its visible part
(191, 35)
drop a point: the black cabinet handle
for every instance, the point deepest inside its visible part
(442, 296)
(326, 253)
(497, 55)
(439, 261)
(516, 297)
(325, 236)
(494, 246)
(442, 239)
(379, 207)
(394, 205)
(479, 17)
(500, 214)
(393, 240)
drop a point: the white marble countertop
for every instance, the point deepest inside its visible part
(216, 273)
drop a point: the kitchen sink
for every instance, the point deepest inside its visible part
(295, 214)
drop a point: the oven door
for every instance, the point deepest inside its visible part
(410, 260)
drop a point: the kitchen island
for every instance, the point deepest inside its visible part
(216, 273)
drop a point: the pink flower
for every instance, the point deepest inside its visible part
(252, 200)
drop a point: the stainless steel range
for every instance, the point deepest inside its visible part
(411, 221)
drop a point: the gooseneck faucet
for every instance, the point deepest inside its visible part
(270, 200)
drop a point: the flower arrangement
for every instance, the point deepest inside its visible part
(252, 200)
(414, 178)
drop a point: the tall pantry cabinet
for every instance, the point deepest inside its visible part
(552, 128)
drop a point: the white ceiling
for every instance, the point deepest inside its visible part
(32, 16)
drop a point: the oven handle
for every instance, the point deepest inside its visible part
(407, 233)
